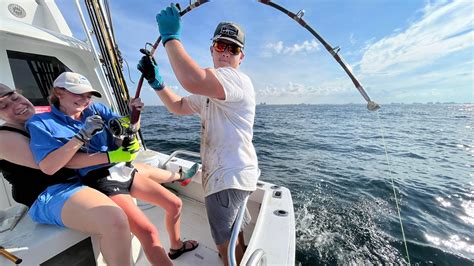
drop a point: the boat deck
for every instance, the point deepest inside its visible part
(194, 225)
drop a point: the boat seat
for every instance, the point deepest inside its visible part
(48, 244)
(38, 243)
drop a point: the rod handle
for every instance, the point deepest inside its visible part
(10, 256)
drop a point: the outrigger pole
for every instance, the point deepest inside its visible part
(298, 17)
(111, 57)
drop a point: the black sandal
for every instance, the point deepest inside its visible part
(175, 253)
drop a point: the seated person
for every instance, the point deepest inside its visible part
(77, 123)
(58, 199)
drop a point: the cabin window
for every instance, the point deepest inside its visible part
(34, 74)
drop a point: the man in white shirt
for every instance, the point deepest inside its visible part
(224, 98)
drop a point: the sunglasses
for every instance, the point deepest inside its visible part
(222, 46)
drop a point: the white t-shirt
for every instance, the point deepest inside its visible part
(228, 156)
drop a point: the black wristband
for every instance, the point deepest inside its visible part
(79, 137)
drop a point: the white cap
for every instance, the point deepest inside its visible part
(75, 83)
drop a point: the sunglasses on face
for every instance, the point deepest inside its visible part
(222, 46)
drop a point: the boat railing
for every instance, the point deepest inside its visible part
(258, 257)
(235, 233)
(177, 152)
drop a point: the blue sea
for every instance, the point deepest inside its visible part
(333, 160)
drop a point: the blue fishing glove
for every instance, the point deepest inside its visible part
(169, 24)
(151, 73)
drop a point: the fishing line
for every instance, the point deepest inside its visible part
(334, 51)
(128, 71)
(371, 105)
(382, 132)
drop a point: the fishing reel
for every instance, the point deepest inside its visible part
(122, 129)
(119, 127)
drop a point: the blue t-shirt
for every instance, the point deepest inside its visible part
(50, 131)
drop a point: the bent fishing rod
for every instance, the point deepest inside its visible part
(298, 17)
(371, 105)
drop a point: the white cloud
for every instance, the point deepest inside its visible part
(432, 6)
(299, 89)
(444, 29)
(279, 48)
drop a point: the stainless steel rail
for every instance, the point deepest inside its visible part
(177, 152)
(258, 257)
(235, 234)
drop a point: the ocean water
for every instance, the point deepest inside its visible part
(332, 158)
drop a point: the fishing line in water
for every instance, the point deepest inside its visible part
(382, 132)
(334, 51)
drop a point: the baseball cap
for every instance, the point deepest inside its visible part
(4, 90)
(231, 32)
(75, 83)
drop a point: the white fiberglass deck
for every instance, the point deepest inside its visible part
(194, 225)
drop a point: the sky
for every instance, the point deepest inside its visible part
(402, 51)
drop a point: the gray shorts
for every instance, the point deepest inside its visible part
(222, 209)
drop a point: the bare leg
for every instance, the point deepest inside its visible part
(156, 174)
(92, 212)
(223, 252)
(145, 231)
(150, 191)
(239, 250)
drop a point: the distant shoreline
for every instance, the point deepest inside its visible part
(342, 104)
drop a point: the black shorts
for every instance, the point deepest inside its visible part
(98, 179)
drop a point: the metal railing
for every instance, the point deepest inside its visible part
(235, 233)
(258, 257)
(177, 152)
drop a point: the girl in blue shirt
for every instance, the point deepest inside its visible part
(57, 199)
(76, 122)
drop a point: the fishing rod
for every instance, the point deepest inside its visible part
(8, 255)
(371, 105)
(136, 113)
(111, 65)
(298, 17)
(127, 129)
